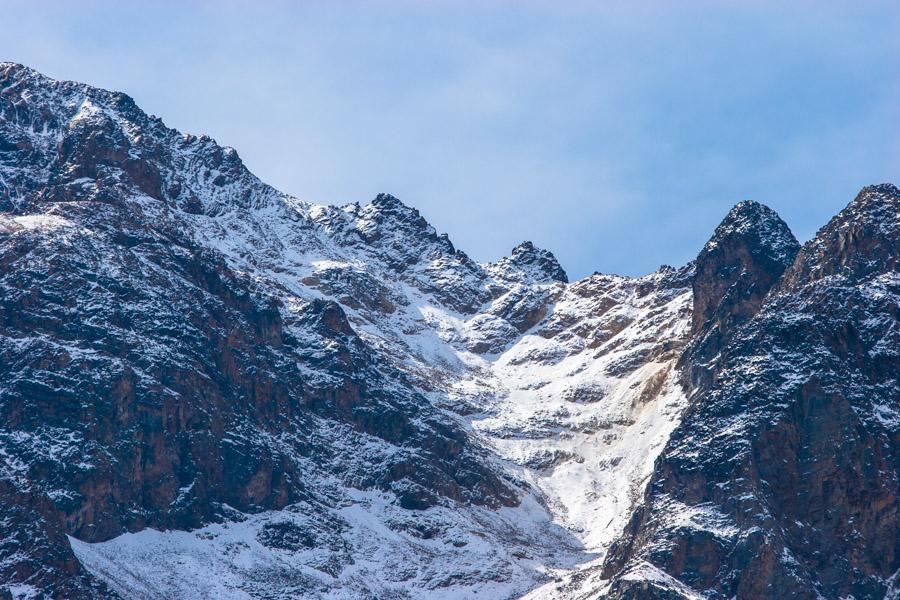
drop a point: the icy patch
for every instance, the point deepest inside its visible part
(588, 434)
(33, 222)
(22, 591)
(375, 549)
(659, 579)
(700, 517)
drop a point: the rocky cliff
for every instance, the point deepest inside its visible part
(782, 479)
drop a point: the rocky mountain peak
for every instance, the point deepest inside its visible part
(12, 73)
(746, 255)
(759, 225)
(386, 213)
(391, 202)
(861, 241)
(388, 210)
(64, 103)
(528, 263)
(67, 141)
(386, 222)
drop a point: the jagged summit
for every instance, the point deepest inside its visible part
(13, 72)
(86, 144)
(68, 141)
(743, 259)
(527, 262)
(886, 188)
(25, 85)
(860, 241)
(387, 211)
(390, 201)
(527, 254)
(758, 225)
(19, 69)
(877, 205)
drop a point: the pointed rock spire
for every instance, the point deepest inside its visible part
(743, 259)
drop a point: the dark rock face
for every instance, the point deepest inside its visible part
(734, 272)
(34, 548)
(857, 244)
(782, 480)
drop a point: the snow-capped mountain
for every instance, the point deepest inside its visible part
(211, 389)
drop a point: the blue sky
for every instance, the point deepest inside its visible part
(615, 134)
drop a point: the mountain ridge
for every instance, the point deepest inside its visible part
(337, 402)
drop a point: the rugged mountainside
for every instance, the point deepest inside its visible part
(782, 479)
(212, 389)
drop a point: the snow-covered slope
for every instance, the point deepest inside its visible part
(576, 407)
